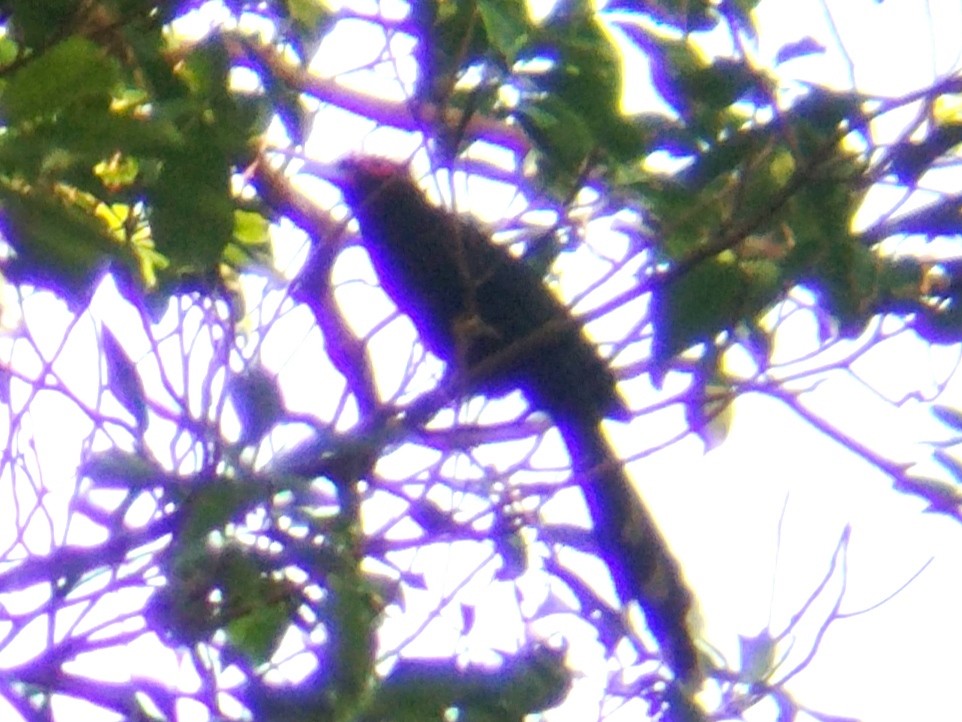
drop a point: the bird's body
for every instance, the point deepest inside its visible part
(470, 299)
(491, 316)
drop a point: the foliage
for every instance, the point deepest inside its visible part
(266, 491)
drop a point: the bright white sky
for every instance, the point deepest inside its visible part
(721, 510)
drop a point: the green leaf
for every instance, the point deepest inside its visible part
(98, 133)
(310, 14)
(58, 247)
(686, 220)
(828, 257)
(531, 682)
(696, 307)
(535, 681)
(720, 84)
(722, 158)
(899, 280)
(8, 50)
(350, 612)
(251, 229)
(192, 219)
(206, 69)
(586, 76)
(71, 71)
(119, 172)
(214, 503)
(560, 133)
(506, 24)
(256, 607)
(257, 633)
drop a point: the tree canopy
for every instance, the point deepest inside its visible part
(230, 461)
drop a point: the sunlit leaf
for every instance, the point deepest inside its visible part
(309, 13)
(251, 228)
(57, 246)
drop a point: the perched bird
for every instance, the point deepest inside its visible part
(490, 316)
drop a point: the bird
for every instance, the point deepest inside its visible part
(490, 316)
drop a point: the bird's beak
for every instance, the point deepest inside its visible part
(332, 172)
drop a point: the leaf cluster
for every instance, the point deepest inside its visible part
(118, 150)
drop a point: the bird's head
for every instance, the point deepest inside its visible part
(362, 177)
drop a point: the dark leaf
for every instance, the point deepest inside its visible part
(35, 22)
(822, 112)
(757, 657)
(257, 401)
(116, 469)
(513, 552)
(468, 618)
(799, 49)
(123, 379)
(430, 517)
(910, 160)
(451, 39)
(948, 415)
(943, 496)
(5, 379)
(949, 461)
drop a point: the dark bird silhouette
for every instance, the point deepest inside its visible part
(492, 318)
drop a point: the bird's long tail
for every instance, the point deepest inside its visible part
(640, 561)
